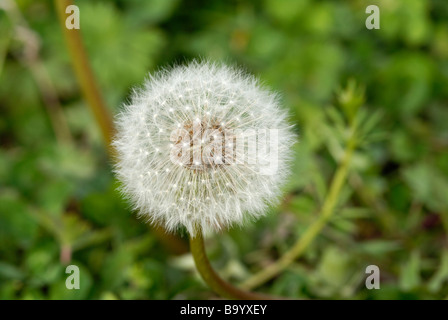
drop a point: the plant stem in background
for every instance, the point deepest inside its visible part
(51, 101)
(310, 234)
(4, 44)
(213, 280)
(30, 57)
(85, 76)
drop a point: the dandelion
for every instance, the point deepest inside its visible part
(202, 146)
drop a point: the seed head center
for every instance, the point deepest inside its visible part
(204, 145)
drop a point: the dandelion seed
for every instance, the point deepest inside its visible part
(218, 192)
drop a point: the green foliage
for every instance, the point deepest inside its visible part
(59, 202)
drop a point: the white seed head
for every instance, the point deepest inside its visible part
(214, 145)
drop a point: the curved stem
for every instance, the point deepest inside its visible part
(214, 281)
(85, 76)
(310, 234)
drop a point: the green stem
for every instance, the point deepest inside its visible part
(85, 76)
(214, 281)
(310, 234)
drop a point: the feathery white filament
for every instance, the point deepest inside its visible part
(206, 102)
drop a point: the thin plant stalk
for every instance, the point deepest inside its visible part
(213, 280)
(310, 234)
(84, 73)
(51, 101)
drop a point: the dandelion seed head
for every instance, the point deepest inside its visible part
(213, 105)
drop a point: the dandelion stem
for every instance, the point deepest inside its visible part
(84, 73)
(310, 234)
(214, 281)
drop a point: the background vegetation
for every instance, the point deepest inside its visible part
(58, 198)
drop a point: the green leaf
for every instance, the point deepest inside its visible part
(351, 98)
(441, 276)
(378, 248)
(410, 272)
(17, 228)
(10, 272)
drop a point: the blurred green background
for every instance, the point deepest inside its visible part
(58, 198)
